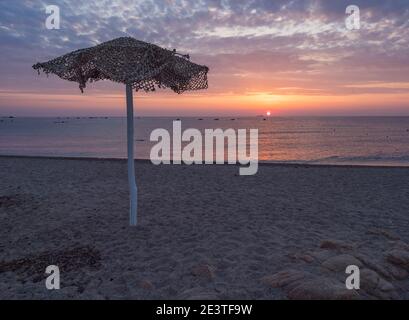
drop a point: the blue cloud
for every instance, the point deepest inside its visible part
(287, 36)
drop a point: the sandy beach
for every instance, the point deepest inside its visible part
(204, 232)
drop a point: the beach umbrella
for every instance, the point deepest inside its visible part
(138, 65)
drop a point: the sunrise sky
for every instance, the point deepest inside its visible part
(287, 57)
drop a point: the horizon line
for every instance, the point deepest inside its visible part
(206, 116)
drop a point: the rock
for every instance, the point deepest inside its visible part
(335, 245)
(369, 279)
(299, 285)
(203, 271)
(283, 278)
(378, 266)
(321, 288)
(388, 271)
(387, 234)
(307, 258)
(385, 290)
(146, 284)
(8, 201)
(398, 257)
(339, 263)
(398, 273)
(304, 257)
(375, 286)
(384, 285)
(321, 255)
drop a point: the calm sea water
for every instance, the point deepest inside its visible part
(321, 140)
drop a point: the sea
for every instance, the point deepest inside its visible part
(377, 141)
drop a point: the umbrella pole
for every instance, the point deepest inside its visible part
(131, 162)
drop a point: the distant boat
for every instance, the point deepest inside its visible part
(216, 119)
(200, 119)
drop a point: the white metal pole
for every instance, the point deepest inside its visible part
(131, 163)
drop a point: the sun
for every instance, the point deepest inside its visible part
(268, 113)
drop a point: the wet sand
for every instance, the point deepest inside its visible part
(204, 232)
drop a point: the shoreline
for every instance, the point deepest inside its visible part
(260, 163)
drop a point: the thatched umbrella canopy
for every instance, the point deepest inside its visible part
(138, 65)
